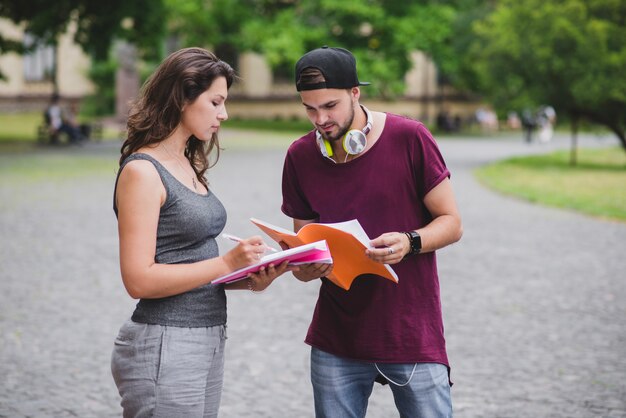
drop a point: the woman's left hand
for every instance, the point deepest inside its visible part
(261, 280)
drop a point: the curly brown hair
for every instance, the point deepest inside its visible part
(179, 80)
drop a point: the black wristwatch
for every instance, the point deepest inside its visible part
(416, 242)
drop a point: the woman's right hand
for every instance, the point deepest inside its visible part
(248, 251)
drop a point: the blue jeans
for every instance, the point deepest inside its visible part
(342, 387)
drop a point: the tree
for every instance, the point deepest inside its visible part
(214, 24)
(98, 23)
(380, 33)
(567, 53)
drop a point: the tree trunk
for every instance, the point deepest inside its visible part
(573, 158)
(618, 129)
(127, 82)
(55, 69)
(621, 135)
(614, 124)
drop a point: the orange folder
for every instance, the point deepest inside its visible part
(347, 242)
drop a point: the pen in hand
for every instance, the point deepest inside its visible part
(237, 239)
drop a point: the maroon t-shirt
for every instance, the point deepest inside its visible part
(376, 320)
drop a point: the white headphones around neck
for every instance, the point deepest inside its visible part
(354, 141)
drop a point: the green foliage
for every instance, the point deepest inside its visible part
(214, 24)
(98, 23)
(380, 33)
(102, 74)
(102, 102)
(568, 53)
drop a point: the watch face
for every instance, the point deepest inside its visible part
(416, 242)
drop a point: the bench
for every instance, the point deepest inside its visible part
(45, 133)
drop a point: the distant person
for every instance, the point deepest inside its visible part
(72, 118)
(398, 188)
(444, 122)
(546, 119)
(513, 121)
(59, 121)
(168, 359)
(487, 120)
(457, 123)
(529, 123)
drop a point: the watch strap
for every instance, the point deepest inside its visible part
(415, 241)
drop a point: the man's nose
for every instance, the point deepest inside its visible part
(321, 118)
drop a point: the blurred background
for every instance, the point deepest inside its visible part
(525, 97)
(458, 65)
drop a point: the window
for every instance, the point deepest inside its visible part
(39, 63)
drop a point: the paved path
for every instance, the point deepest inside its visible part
(534, 300)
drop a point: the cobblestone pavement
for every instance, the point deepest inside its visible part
(534, 299)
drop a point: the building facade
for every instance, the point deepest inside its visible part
(32, 78)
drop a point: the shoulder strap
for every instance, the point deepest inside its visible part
(140, 156)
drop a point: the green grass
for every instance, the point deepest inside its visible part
(18, 131)
(21, 128)
(17, 168)
(595, 186)
(243, 139)
(296, 126)
(18, 127)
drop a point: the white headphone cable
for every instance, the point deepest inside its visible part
(394, 382)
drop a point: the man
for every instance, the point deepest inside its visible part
(387, 172)
(58, 122)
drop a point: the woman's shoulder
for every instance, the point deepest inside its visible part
(141, 168)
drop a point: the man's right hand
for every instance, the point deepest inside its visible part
(308, 272)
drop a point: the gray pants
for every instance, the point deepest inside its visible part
(164, 371)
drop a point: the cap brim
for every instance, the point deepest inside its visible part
(324, 85)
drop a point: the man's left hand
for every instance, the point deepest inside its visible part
(389, 248)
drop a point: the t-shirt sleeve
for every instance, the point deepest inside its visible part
(432, 169)
(295, 205)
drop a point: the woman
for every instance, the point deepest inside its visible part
(168, 358)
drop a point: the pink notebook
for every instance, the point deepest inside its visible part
(316, 252)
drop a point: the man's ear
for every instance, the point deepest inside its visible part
(355, 92)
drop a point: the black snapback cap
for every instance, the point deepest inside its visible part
(337, 65)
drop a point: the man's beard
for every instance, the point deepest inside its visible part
(343, 129)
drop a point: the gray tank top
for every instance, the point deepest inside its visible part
(188, 225)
